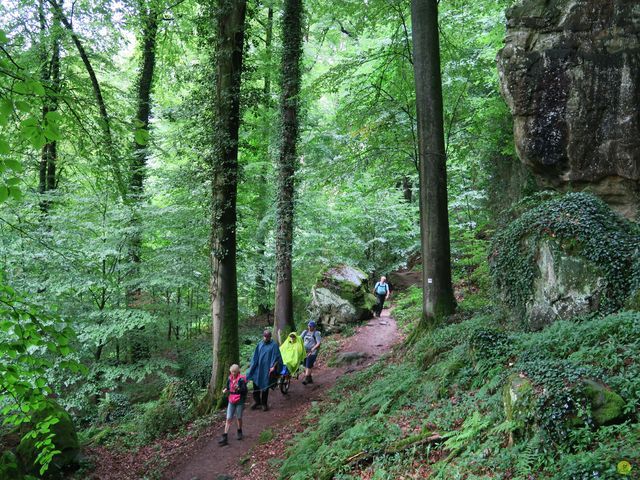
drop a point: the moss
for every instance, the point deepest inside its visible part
(518, 398)
(606, 405)
(65, 440)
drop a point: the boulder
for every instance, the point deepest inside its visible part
(569, 256)
(65, 440)
(341, 297)
(570, 74)
(606, 405)
(567, 286)
(330, 311)
(519, 401)
(349, 358)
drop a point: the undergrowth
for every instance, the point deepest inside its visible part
(377, 424)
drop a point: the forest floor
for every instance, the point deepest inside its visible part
(266, 434)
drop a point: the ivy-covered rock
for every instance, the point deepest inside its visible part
(65, 440)
(568, 256)
(341, 297)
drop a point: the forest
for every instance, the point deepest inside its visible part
(178, 176)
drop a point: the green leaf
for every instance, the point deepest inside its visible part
(6, 108)
(53, 116)
(37, 88)
(22, 88)
(13, 164)
(141, 136)
(23, 106)
(51, 132)
(15, 193)
(4, 147)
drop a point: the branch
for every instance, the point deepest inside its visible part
(97, 92)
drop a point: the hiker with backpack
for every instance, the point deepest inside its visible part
(381, 290)
(311, 339)
(237, 390)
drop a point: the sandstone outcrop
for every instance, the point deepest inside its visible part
(570, 73)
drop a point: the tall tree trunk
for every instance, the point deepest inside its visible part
(438, 299)
(138, 165)
(50, 75)
(224, 290)
(261, 237)
(291, 73)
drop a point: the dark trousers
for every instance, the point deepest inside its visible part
(260, 396)
(381, 299)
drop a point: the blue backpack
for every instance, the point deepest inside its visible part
(382, 289)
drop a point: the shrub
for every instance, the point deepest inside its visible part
(161, 417)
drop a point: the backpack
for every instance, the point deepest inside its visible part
(234, 389)
(383, 287)
(304, 334)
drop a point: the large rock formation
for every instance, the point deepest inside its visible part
(568, 256)
(570, 73)
(340, 298)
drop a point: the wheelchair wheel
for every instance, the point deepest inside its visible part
(285, 383)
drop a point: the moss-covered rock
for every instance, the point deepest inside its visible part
(65, 440)
(519, 400)
(566, 257)
(341, 297)
(606, 405)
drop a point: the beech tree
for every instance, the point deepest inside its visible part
(230, 21)
(438, 299)
(289, 110)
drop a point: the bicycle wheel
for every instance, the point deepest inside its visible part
(284, 384)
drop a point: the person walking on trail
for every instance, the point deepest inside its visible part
(237, 390)
(382, 291)
(263, 370)
(293, 353)
(311, 339)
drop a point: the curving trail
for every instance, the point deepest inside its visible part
(208, 461)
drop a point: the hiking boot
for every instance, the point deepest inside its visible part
(223, 440)
(255, 406)
(265, 408)
(239, 435)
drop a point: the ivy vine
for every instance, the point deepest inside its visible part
(578, 224)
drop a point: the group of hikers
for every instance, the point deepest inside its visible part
(271, 361)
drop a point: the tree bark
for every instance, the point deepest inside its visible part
(137, 173)
(224, 293)
(438, 299)
(50, 76)
(289, 109)
(261, 236)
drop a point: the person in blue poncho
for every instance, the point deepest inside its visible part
(265, 363)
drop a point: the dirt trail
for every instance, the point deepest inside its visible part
(208, 461)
